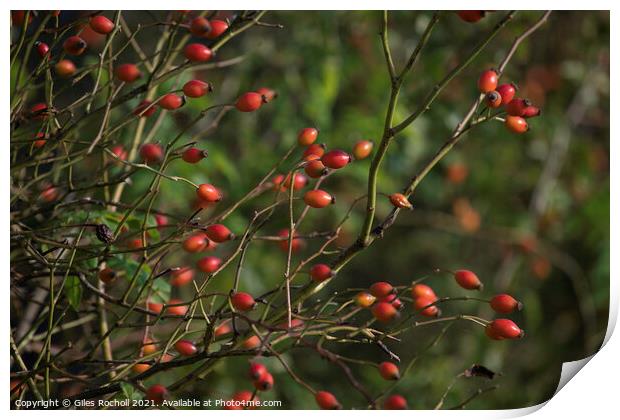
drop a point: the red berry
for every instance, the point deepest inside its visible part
(395, 402)
(218, 27)
(119, 151)
(208, 193)
(171, 101)
(136, 244)
(199, 26)
(245, 400)
(507, 91)
(393, 300)
(471, 16)
(161, 220)
(423, 304)
(101, 24)
(18, 17)
(282, 184)
(297, 245)
(504, 328)
(155, 307)
(488, 81)
(39, 111)
(143, 109)
(181, 277)
(307, 136)
(400, 200)
(185, 347)
(299, 182)
(140, 367)
(364, 299)
(505, 304)
(492, 333)
(257, 370)
(178, 309)
(362, 149)
(127, 73)
(315, 168)
(384, 311)
(249, 102)
(242, 301)
(39, 141)
(295, 325)
(468, 280)
(265, 382)
(327, 401)
(251, 343)
(219, 233)
(531, 111)
(209, 264)
(517, 107)
(149, 348)
(381, 289)
(151, 153)
(74, 45)
(194, 155)
(65, 68)
(267, 94)
(457, 172)
(493, 99)
(107, 275)
(49, 194)
(197, 52)
(196, 88)
(516, 124)
(321, 272)
(316, 149)
(222, 329)
(336, 159)
(422, 290)
(196, 243)
(157, 393)
(318, 199)
(389, 371)
(42, 48)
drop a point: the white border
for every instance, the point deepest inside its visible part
(592, 395)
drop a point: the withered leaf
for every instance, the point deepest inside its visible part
(479, 370)
(104, 234)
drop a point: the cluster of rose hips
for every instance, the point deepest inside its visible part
(327, 401)
(317, 162)
(383, 301)
(194, 52)
(517, 109)
(262, 381)
(205, 240)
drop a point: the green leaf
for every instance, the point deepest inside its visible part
(91, 263)
(131, 393)
(161, 291)
(73, 290)
(112, 219)
(129, 267)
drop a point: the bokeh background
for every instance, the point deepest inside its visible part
(529, 213)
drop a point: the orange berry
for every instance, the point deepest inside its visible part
(362, 149)
(400, 200)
